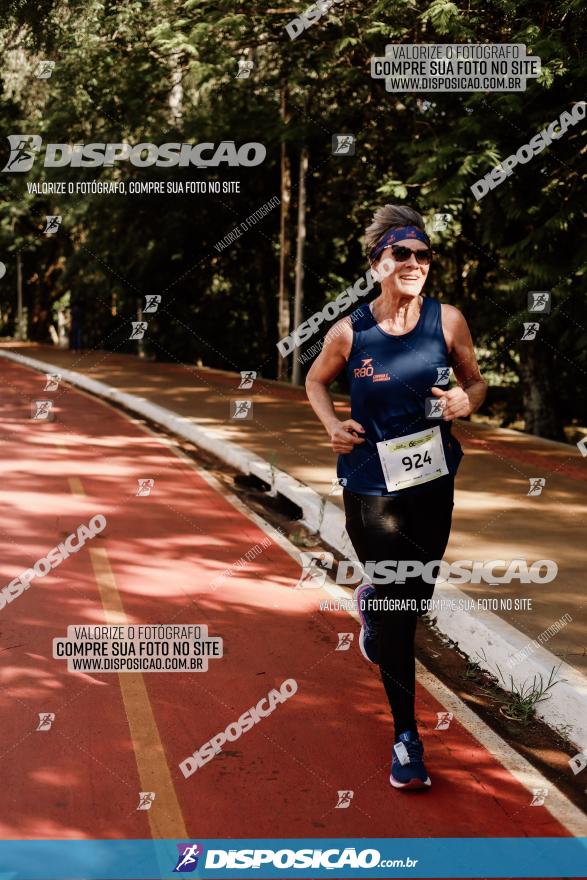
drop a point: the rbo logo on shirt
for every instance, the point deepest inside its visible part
(365, 370)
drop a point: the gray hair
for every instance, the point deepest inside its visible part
(390, 217)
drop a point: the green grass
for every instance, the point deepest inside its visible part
(519, 701)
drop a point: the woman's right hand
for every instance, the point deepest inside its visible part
(343, 436)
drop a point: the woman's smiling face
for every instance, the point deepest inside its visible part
(406, 278)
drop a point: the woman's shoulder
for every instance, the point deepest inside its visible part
(451, 315)
(454, 325)
(342, 334)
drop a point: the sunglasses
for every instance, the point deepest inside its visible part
(401, 254)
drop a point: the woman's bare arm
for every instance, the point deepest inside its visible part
(329, 363)
(470, 393)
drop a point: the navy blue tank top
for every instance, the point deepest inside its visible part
(390, 378)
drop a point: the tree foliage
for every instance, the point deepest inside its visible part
(165, 71)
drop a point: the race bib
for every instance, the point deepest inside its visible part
(413, 459)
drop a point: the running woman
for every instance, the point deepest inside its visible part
(397, 456)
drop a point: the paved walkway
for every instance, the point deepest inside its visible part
(494, 516)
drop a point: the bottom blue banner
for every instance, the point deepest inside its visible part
(293, 857)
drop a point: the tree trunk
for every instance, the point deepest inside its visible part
(284, 241)
(299, 291)
(175, 98)
(541, 415)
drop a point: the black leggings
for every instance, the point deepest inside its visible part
(410, 526)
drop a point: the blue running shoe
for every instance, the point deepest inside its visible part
(407, 767)
(369, 636)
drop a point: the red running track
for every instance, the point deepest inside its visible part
(115, 735)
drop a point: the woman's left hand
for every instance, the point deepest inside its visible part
(456, 403)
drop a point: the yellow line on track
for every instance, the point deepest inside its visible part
(165, 816)
(75, 484)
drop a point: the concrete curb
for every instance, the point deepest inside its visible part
(484, 630)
